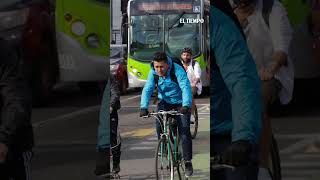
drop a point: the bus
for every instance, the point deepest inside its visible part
(83, 39)
(168, 26)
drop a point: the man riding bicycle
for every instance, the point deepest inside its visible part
(193, 70)
(174, 92)
(269, 48)
(235, 96)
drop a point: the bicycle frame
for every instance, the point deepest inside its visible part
(167, 131)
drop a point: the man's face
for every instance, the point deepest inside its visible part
(245, 6)
(242, 3)
(186, 57)
(161, 67)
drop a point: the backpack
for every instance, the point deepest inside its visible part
(266, 10)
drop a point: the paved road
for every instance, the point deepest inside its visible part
(139, 141)
(298, 135)
(65, 135)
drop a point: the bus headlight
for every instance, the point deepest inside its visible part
(93, 41)
(134, 70)
(78, 28)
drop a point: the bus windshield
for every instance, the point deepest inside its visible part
(152, 33)
(181, 35)
(147, 36)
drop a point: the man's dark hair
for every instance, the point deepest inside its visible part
(160, 56)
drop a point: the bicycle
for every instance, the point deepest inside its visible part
(275, 163)
(168, 147)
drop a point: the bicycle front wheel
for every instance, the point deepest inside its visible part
(164, 161)
(194, 123)
(275, 169)
(181, 169)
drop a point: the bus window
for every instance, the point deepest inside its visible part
(147, 36)
(182, 35)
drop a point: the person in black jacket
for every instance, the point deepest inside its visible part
(16, 134)
(103, 145)
(114, 107)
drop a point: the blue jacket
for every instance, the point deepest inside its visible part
(235, 90)
(168, 90)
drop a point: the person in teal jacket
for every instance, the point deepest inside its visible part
(235, 96)
(103, 145)
(169, 91)
(174, 92)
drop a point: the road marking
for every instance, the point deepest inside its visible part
(139, 133)
(204, 107)
(292, 178)
(304, 164)
(305, 156)
(74, 114)
(301, 172)
(298, 146)
(203, 113)
(130, 98)
(141, 148)
(297, 136)
(148, 142)
(154, 138)
(67, 116)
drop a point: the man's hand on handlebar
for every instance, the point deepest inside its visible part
(185, 110)
(238, 153)
(144, 112)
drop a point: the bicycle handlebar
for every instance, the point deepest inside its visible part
(161, 112)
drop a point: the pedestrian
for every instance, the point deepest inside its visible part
(268, 34)
(115, 134)
(16, 134)
(103, 146)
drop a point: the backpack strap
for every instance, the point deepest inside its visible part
(193, 63)
(266, 10)
(173, 76)
(156, 79)
(155, 76)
